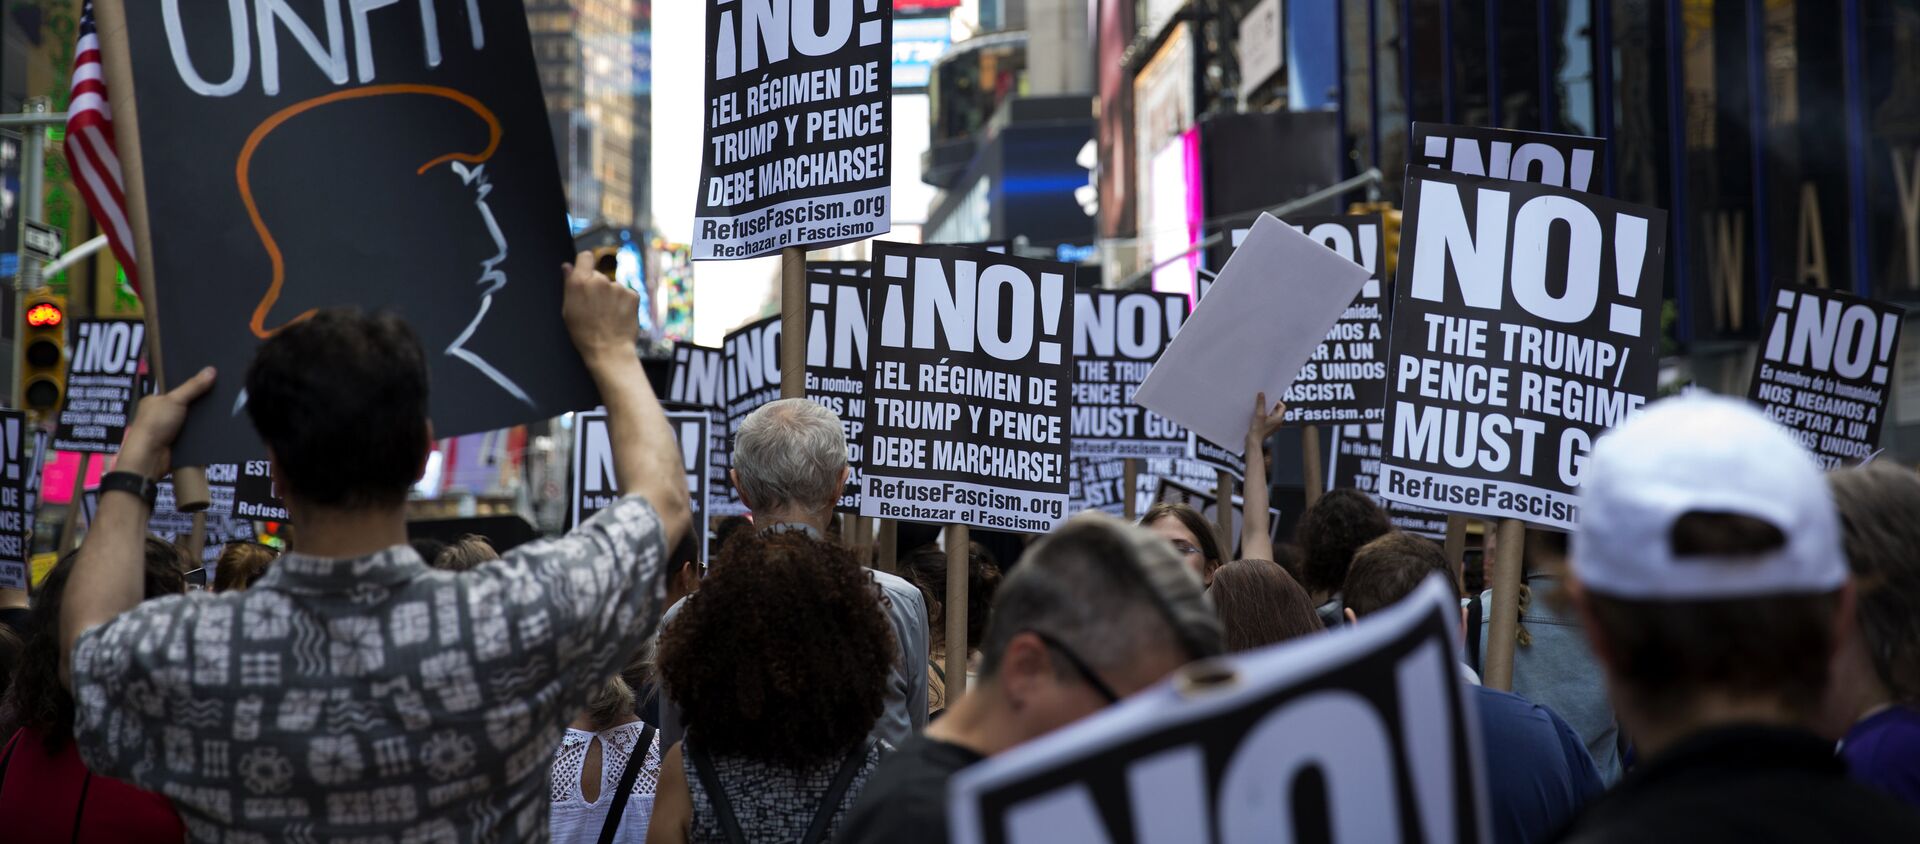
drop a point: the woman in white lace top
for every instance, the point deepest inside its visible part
(590, 765)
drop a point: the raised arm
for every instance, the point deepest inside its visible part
(646, 461)
(108, 575)
(1256, 541)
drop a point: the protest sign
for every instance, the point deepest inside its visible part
(1211, 453)
(1174, 492)
(751, 361)
(1117, 336)
(690, 429)
(1097, 484)
(1565, 161)
(699, 381)
(222, 523)
(1205, 379)
(1364, 734)
(1825, 370)
(595, 487)
(1525, 323)
(971, 361)
(255, 496)
(402, 163)
(798, 121)
(103, 381)
(35, 471)
(1355, 464)
(16, 537)
(837, 363)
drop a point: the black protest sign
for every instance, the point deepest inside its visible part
(1363, 736)
(837, 363)
(1567, 161)
(389, 157)
(1117, 335)
(1825, 370)
(594, 487)
(1346, 379)
(34, 472)
(1097, 484)
(1525, 322)
(968, 388)
(256, 496)
(103, 382)
(751, 356)
(222, 523)
(699, 380)
(1354, 463)
(1211, 453)
(16, 533)
(690, 431)
(798, 116)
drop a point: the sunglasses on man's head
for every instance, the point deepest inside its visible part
(1079, 665)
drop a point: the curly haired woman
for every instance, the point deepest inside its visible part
(776, 746)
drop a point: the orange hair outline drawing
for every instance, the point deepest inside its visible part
(244, 168)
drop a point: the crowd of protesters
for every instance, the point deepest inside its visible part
(1728, 648)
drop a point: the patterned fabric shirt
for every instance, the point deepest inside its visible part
(372, 699)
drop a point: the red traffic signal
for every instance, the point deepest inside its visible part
(45, 315)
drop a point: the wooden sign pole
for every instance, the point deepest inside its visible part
(889, 546)
(793, 323)
(1310, 463)
(956, 611)
(190, 493)
(197, 540)
(74, 507)
(1131, 480)
(1223, 512)
(1503, 615)
(1455, 546)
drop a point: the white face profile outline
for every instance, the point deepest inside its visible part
(491, 281)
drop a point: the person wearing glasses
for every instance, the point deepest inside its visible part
(1094, 612)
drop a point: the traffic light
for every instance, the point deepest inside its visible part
(43, 356)
(1390, 230)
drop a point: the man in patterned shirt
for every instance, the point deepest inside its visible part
(354, 693)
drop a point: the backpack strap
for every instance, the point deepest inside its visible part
(635, 761)
(830, 802)
(722, 810)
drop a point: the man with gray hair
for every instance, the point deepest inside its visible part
(1095, 611)
(790, 466)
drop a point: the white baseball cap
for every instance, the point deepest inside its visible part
(1703, 453)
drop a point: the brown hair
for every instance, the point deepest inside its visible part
(1331, 531)
(1668, 653)
(465, 553)
(1878, 504)
(1390, 568)
(240, 564)
(1195, 523)
(611, 703)
(1260, 604)
(927, 566)
(783, 654)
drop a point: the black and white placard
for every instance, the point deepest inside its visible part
(1826, 370)
(1525, 324)
(699, 381)
(1117, 335)
(256, 496)
(837, 363)
(16, 546)
(969, 388)
(1346, 378)
(752, 363)
(1097, 484)
(1567, 161)
(1354, 463)
(1364, 735)
(690, 431)
(595, 486)
(798, 120)
(103, 382)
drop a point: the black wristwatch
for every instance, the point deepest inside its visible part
(133, 483)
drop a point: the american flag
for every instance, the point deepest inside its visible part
(90, 149)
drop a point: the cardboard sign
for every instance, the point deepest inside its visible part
(1354, 463)
(395, 158)
(1525, 324)
(1825, 371)
(103, 382)
(16, 536)
(690, 430)
(595, 486)
(1364, 734)
(969, 388)
(1117, 336)
(255, 496)
(1277, 298)
(1566, 161)
(699, 381)
(837, 363)
(1174, 492)
(798, 121)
